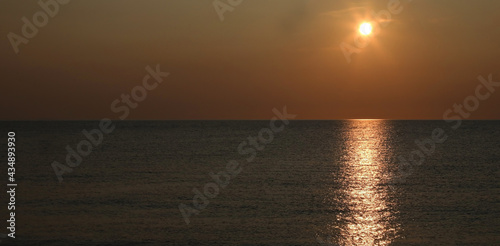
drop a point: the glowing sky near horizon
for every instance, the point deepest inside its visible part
(264, 55)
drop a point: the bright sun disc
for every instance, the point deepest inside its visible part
(365, 28)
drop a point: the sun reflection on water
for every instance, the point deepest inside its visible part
(367, 217)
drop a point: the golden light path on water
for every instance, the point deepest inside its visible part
(369, 217)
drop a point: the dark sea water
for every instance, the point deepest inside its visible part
(315, 183)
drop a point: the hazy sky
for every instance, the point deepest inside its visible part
(265, 54)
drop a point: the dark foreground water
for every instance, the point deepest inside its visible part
(315, 182)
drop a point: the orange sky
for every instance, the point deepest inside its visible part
(265, 54)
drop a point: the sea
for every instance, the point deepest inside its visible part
(342, 182)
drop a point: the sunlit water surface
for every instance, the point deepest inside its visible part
(317, 182)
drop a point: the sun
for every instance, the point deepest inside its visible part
(365, 28)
